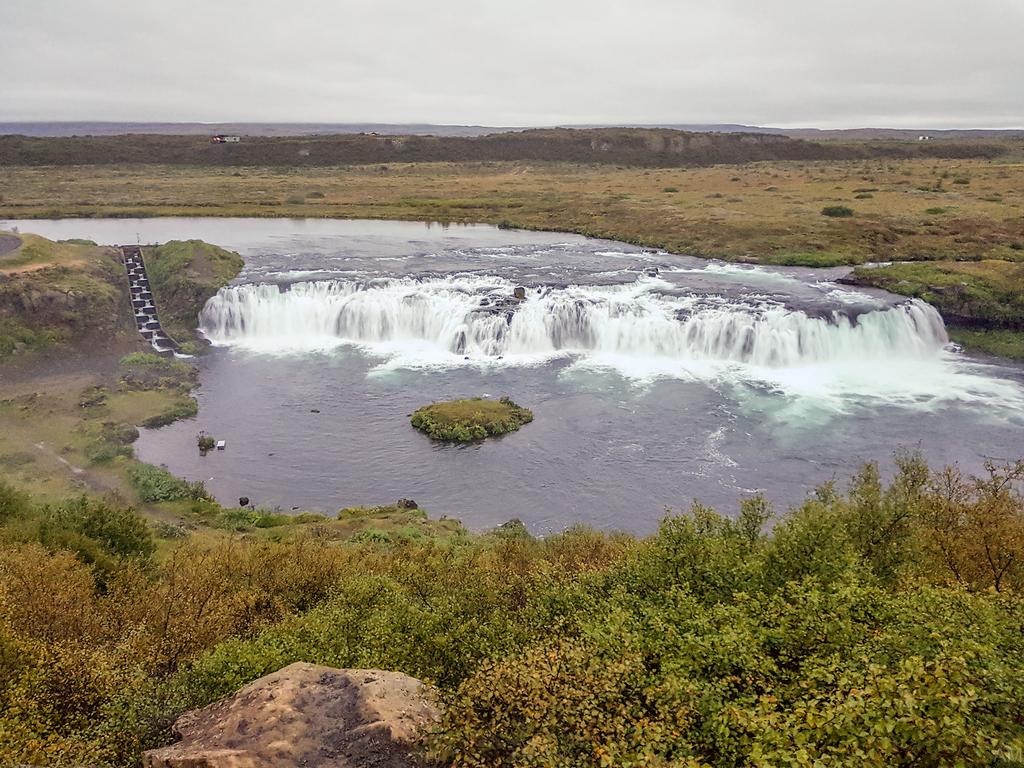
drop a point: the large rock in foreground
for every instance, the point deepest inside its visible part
(305, 715)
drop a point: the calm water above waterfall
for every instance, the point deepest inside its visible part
(655, 379)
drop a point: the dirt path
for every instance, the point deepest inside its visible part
(37, 265)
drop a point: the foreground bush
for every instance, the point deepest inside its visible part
(878, 625)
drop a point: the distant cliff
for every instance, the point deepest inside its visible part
(649, 147)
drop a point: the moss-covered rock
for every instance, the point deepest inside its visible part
(467, 420)
(184, 274)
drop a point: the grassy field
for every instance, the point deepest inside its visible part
(60, 427)
(760, 212)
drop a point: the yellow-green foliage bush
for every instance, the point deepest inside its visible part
(875, 625)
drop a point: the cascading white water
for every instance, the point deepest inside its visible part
(475, 317)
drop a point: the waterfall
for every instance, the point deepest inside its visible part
(476, 317)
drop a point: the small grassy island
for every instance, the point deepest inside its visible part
(463, 421)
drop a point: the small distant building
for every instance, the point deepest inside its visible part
(220, 138)
(924, 138)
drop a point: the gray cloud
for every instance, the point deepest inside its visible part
(827, 63)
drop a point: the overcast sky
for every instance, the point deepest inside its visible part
(825, 63)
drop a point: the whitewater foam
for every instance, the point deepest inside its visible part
(644, 330)
(475, 316)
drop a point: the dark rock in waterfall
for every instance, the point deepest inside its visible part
(407, 504)
(506, 306)
(519, 293)
(243, 501)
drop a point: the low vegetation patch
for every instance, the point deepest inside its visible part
(467, 420)
(110, 440)
(985, 294)
(878, 624)
(1000, 343)
(837, 211)
(156, 484)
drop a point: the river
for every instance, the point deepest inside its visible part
(656, 380)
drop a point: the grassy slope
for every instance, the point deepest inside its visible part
(999, 343)
(982, 301)
(60, 292)
(183, 275)
(986, 294)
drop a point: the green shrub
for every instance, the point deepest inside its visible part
(113, 440)
(97, 531)
(145, 359)
(837, 211)
(13, 503)
(372, 536)
(237, 519)
(184, 407)
(164, 530)
(877, 624)
(119, 529)
(156, 484)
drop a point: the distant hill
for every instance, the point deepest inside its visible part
(650, 147)
(862, 134)
(92, 128)
(241, 129)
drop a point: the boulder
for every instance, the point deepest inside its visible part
(307, 715)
